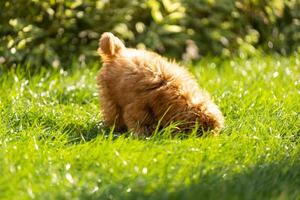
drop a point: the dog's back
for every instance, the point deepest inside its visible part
(143, 87)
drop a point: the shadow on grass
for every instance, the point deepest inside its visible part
(50, 127)
(262, 181)
(78, 132)
(84, 132)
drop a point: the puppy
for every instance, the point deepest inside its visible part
(140, 90)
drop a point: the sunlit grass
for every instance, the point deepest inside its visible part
(54, 146)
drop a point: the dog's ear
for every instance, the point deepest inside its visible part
(109, 45)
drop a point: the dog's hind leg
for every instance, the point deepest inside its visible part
(112, 113)
(139, 119)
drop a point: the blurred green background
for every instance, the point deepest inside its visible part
(57, 32)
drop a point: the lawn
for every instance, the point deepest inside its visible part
(54, 146)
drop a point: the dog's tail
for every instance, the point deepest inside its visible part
(109, 45)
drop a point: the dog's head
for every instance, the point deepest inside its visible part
(209, 117)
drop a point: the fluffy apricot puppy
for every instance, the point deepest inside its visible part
(140, 88)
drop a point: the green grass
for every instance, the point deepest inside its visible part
(54, 146)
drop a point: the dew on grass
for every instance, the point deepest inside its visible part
(277, 136)
(54, 178)
(95, 94)
(63, 72)
(68, 166)
(30, 193)
(255, 137)
(169, 152)
(20, 128)
(212, 65)
(232, 63)
(51, 84)
(128, 190)
(244, 73)
(45, 94)
(287, 71)
(12, 169)
(136, 169)
(286, 147)
(98, 164)
(16, 79)
(35, 144)
(194, 149)
(224, 175)
(248, 64)
(34, 95)
(275, 74)
(145, 170)
(70, 88)
(40, 84)
(83, 85)
(25, 83)
(95, 189)
(125, 163)
(117, 153)
(69, 178)
(278, 64)
(225, 93)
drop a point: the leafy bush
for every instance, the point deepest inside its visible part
(54, 32)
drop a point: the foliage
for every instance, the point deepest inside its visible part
(54, 32)
(53, 146)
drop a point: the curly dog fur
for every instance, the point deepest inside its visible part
(139, 88)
